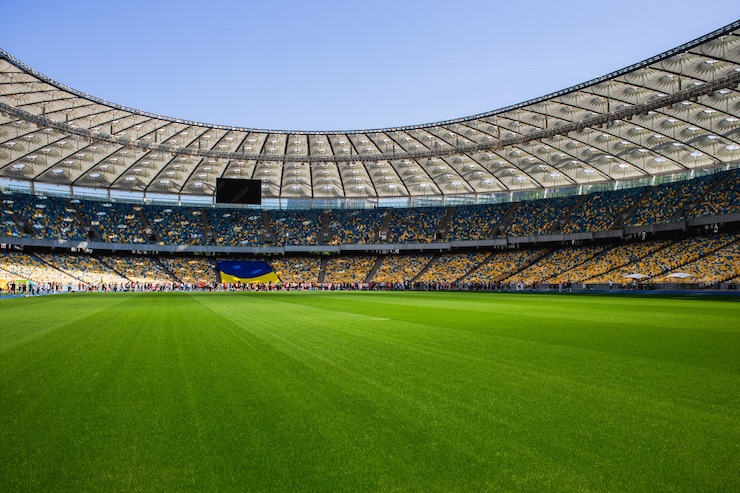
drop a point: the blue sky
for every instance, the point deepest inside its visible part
(330, 65)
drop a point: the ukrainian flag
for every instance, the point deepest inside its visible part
(246, 272)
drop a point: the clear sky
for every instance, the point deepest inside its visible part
(331, 65)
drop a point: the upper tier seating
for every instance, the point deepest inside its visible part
(55, 218)
(355, 226)
(113, 222)
(599, 211)
(175, 225)
(236, 227)
(296, 227)
(476, 222)
(722, 200)
(415, 225)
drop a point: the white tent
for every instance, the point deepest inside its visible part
(635, 276)
(680, 275)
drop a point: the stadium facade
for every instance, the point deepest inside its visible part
(673, 114)
(657, 142)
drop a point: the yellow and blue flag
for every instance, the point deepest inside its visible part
(246, 271)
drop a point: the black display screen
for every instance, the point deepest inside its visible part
(238, 191)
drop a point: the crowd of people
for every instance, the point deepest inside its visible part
(708, 260)
(59, 218)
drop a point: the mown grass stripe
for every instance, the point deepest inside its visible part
(369, 391)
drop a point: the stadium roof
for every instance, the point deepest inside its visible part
(676, 112)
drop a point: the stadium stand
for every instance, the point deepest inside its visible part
(723, 198)
(296, 227)
(667, 203)
(192, 271)
(46, 217)
(640, 175)
(415, 225)
(175, 225)
(113, 222)
(504, 264)
(85, 268)
(555, 267)
(707, 260)
(24, 266)
(359, 226)
(613, 258)
(348, 269)
(399, 269)
(139, 269)
(449, 268)
(661, 261)
(236, 227)
(718, 262)
(476, 222)
(536, 217)
(297, 270)
(8, 226)
(601, 211)
(710, 260)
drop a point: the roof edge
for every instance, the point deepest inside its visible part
(657, 58)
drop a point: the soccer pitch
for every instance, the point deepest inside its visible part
(369, 392)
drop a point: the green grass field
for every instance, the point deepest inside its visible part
(369, 392)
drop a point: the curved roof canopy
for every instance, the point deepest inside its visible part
(675, 112)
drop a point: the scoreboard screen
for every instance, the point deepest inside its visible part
(238, 191)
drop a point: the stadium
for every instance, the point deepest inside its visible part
(540, 297)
